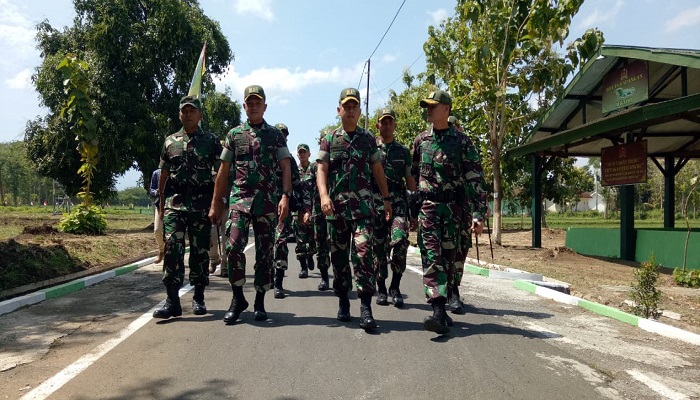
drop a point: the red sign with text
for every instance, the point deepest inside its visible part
(625, 164)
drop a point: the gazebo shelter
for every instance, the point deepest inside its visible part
(643, 103)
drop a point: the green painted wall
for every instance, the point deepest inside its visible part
(667, 244)
(603, 242)
(668, 247)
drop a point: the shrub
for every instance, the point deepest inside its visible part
(689, 278)
(644, 293)
(84, 220)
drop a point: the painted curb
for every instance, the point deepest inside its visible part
(10, 305)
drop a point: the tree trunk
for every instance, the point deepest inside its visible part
(497, 195)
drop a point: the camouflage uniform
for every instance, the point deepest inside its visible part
(447, 169)
(349, 158)
(320, 232)
(188, 193)
(255, 154)
(284, 227)
(306, 246)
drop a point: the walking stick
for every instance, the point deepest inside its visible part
(478, 261)
(489, 232)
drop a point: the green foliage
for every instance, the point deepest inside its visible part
(84, 220)
(221, 114)
(689, 278)
(20, 183)
(141, 56)
(137, 196)
(644, 292)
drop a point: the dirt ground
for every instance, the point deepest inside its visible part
(605, 281)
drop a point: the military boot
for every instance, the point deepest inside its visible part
(437, 322)
(238, 304)
(367, 321)
(310, 262)
(260, 314)
(172, 307)
(198, 307)
(456, 305)
(279, 277)
(381, 293)
(323, 285)
(304, 273)
(344, 307)
(394, 292)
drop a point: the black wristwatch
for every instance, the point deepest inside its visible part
(387, 198)
(288, 194)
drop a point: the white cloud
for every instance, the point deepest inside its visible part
(389, 58)
(258, 8)
(438, 16)
(684, 19)
(282, 82)
(23, 80)
(606, 17)
(16, 35)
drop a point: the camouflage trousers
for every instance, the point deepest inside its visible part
(438, 240)
(237, 229)
(283, 230)
(197, 225)
(356, 235)
(391, 245)
(306, 245)
(320, 228)
(465, 242)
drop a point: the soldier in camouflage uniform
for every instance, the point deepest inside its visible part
(303, 230)
(347, 160)
(320, 231)
(185, 189)
(448, 171)
(300, 205)
(258, 151)
(391, 237)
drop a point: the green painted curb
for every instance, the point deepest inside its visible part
(66, 288)
(126, 269)
(609, 312)
(476, 270)
(525, 285)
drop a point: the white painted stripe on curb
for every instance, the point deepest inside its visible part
(556, 296)
(10, 305)
(91, 280)
(669, 331)
(663, 390)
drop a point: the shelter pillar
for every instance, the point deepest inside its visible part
(628, 242)
(669, 193)
(536, 201)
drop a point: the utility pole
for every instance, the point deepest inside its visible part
(367, 99)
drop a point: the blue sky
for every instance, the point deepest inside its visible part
(304, 52)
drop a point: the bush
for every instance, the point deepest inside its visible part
(689, 278)
(84, 220)
(644, 293)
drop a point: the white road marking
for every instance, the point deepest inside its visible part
(658, 387)
(57, 381)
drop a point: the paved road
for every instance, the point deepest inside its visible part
(101, 343)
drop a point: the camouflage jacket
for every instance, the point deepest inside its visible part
(300, 200)
(190, 159)
(396, 160)
(447, 168)
(307, 178)
(254, 154)
(349, 158)
(315, 197)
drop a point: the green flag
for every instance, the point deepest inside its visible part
(196, 84)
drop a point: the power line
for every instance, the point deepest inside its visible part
(400, 76)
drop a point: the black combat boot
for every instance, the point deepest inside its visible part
(304, 273)
(437, 322)
(198, 307)
(172, 307)
(279, 277)
(367, 321)
(238, 304)
(381, 293)
(343, 307)
(456, 305)
(260, 314)
(394, 292)
(323, 285)
(310, 262)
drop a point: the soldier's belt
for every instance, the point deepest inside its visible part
(443, 196)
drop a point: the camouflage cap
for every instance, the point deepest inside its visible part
(437, 97)
(283, 128)
(349, 94)
(303, 146)
(190, 101)
(254, 90)
(387, 112)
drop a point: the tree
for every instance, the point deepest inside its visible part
(498, 56)
(221, 114)
(141, 57)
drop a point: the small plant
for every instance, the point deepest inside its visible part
(689, 278)
(644, 293)
(84, 220)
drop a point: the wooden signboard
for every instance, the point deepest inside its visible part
(625, 164)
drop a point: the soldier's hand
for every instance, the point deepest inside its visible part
(477, 226)
(387, 209)
(413, 224)
(213, 216)
(283, 208)
(307, 218)
(327, 206)
(160, 213)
